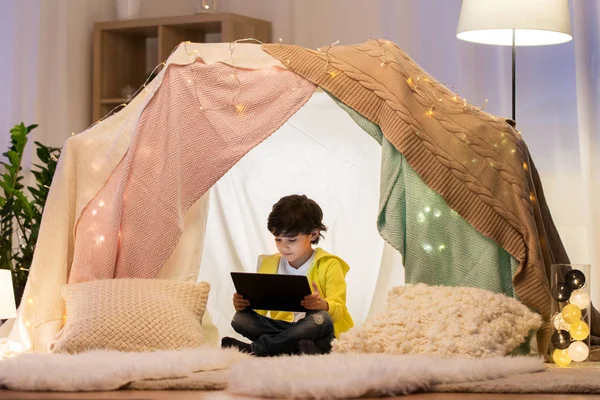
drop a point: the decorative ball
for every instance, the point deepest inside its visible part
(561, 339)
(575, 279)
(578, 351)
(579, 330)
(561, 357)
(559, 323)
(561, 292)
(571, 313)
(580, 298)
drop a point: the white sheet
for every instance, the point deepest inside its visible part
(319, 152)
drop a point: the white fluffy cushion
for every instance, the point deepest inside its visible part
(443, 321)
(132, 315)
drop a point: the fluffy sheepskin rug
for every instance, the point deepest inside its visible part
(337, 376)
(110, 370)
(443, 321)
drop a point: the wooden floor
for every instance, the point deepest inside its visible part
(206, 395)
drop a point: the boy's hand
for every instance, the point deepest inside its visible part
(239, 302)
(315, 301)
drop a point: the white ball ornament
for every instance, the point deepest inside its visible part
(578, 351)
(580, 298)
(559, 323)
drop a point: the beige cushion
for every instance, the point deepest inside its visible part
(132, 315)
(443, 321)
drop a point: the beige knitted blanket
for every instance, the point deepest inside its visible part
(477, 162)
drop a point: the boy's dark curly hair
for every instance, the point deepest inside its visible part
(296, 214)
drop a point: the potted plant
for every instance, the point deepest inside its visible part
(21, 208)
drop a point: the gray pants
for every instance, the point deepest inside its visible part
(272, 337)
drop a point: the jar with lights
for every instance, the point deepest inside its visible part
(571, 313)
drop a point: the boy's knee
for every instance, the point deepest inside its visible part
(321, 318)
(240, 321)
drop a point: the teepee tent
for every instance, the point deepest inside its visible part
(178, 184)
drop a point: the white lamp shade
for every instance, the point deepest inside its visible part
(536, 22)
(8, 308)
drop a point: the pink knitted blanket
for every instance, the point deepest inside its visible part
(201, 121)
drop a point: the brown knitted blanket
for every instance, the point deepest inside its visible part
(477, 162)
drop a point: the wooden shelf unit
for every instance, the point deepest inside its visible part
(121, 48)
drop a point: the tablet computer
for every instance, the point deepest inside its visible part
(272, 291)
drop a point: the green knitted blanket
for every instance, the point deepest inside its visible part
(438, 246)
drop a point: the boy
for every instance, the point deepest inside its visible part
(296, 223)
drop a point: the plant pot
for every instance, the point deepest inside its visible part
(128, 9)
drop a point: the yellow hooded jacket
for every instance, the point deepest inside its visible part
(328, 272)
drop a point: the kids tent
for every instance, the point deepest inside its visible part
(416, 184)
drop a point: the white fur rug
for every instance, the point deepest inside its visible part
(338, 376)
(110, 370)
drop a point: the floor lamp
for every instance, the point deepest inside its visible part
(515, 23)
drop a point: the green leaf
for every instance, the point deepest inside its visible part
(44, 154)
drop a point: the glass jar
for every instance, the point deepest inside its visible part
(571, 313)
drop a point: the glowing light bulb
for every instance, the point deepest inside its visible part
(441, 247)
(240, 108)
(94, 212)
(437, 213)
(525, 166)
(561, 357)
(332, 73)
(427, 209)
(559, 323)
(578, 351)
(421, 217)
(101, 203)
(30, 301)
(579, 330)
(27, 324)
(513, 151)
(571, 313)
(100, 239)
(580, 298)
(206, 7)
(427, 247)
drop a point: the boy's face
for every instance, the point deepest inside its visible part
(295, 248)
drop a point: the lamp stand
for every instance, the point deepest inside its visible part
(514, 91)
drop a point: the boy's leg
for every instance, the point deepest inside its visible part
(252, 325)
(316, 326)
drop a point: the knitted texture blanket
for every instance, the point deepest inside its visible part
(200, 122)
(437, 245)
(477, 162)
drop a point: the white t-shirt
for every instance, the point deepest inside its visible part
(286, 269)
